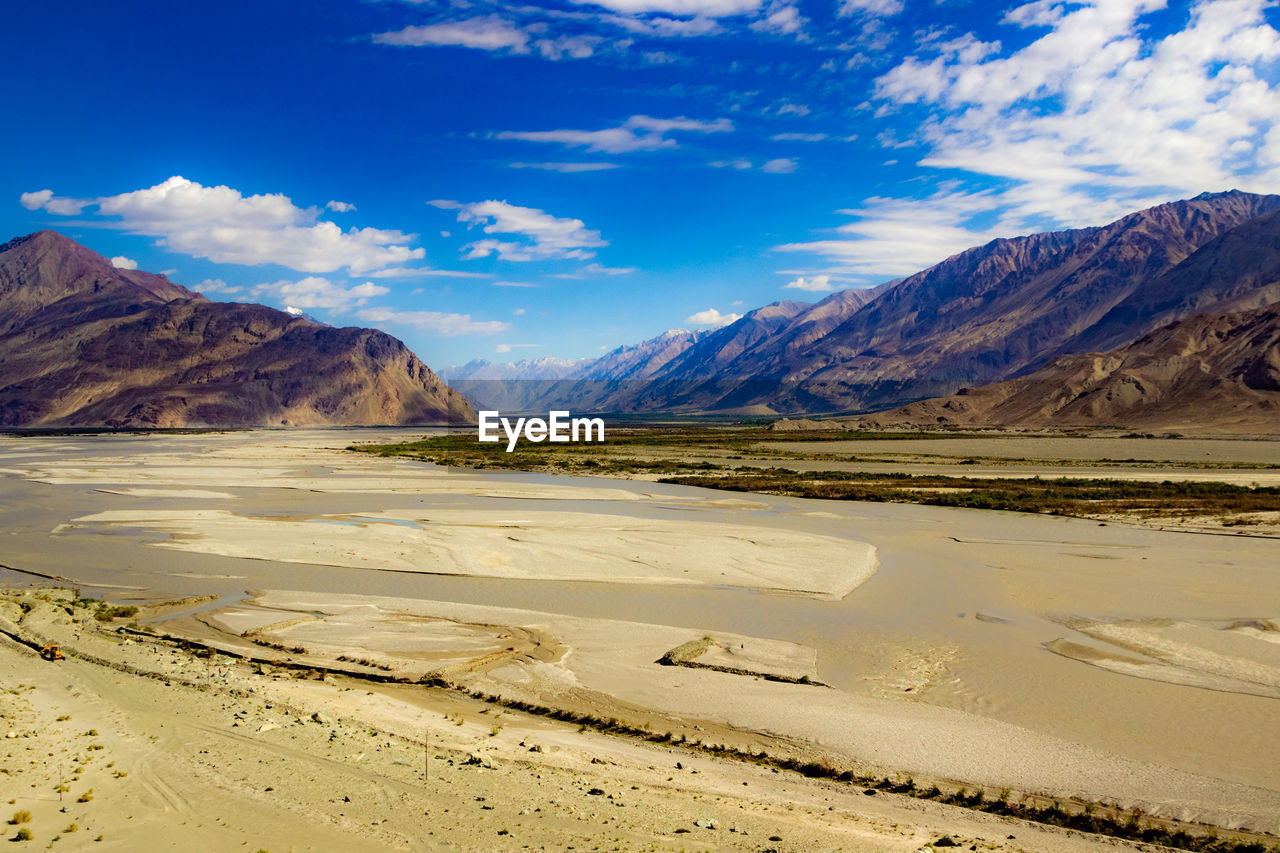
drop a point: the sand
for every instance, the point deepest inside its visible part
(183, 753)
(533, 544)
(1044, 654)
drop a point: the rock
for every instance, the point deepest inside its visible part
(266, 727)
(945, 841)
(707, 823)
(479, 761)
(322, 719)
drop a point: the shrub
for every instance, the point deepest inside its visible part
(22, 816)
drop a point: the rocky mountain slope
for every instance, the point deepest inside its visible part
(83, 343)
(1217, 372)
(987, 314)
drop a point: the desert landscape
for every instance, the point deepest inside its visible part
(411, 656)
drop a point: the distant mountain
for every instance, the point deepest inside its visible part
(529, 368)
(990, 313)
(1217, 372)
(83, 343)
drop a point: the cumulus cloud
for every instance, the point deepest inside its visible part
(712, 317)
(1097, 108)
(317, 292)
(780, 166)
(120, 262)
(450, 325)
(815, 283)
(223, 225)
(638, 133)
(1098, 115)
(217, 286)
(544, 236)
(45, 200)
(341, 207)
(739, 163)
(566, 167)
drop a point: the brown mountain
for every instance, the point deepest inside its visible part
(987, 314)
(1215, 372)
(83, 343)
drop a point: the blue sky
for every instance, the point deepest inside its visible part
(506, 180)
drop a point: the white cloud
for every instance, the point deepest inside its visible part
(513, 284)
(712, 317)
(597, 269)
(120, 262)
(488, 33)
(892, 237)
(873, 8)
(1092, 119)
(793, 109)
(341, 207)
(816, 283)
(660, 27)
(798, 137)
(683, 8)
(424, 272)
(221, 224)
(216, 285)
(780, 166)
(517, 312)
(638, 133)
(450, 325)
(566, 167)
(510, 347)
(545, 236)
(1098, 109)
(782, 18)
(317, 292)
(570, 47)
(739, 163)
(44, 199)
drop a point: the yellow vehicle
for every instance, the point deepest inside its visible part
(51, 652)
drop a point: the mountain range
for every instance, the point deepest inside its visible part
(83, 343)
(1163, 317)
(989, 314)
(1213, 371)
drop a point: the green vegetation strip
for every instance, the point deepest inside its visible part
(1056, 496)
(1076, 497)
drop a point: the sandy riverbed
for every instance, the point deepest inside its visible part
(1044, 654)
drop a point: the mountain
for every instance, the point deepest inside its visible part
(1218, 372)
(990, 313)
(528, 368)
(83, 343)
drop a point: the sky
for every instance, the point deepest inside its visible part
(507, 180)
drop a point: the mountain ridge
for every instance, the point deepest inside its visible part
(83, 343)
